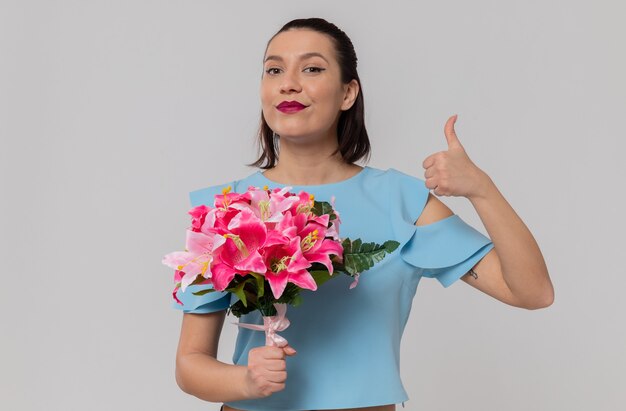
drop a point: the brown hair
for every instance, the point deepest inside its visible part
(353, 142)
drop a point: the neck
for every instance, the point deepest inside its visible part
(314, 169)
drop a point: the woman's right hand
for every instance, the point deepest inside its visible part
(267, 370)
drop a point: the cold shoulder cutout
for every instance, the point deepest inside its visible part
(445, 249)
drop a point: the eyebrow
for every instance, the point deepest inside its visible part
(302, 57)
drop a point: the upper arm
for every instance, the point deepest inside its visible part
(200, 333)
(434, 210)
(488, 269)
(490, 279)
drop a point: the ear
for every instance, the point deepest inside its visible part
(351, 91)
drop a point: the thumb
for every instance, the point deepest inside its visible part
(451, 137)
(289, 350)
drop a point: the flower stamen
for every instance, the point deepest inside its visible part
(241, 246)
(264, 208)
(225, 191)
(279, 265)
(309, 241)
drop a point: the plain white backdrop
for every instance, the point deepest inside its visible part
(112, 111)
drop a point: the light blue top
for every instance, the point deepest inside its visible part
(348, 341)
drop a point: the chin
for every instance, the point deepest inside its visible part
(296, 134)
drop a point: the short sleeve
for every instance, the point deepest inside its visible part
(445, 249)
(216, 300)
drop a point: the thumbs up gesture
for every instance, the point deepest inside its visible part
(451, 172)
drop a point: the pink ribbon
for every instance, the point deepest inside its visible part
(271, 325)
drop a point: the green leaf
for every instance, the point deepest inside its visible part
(260, 283)
(297, 300)
(347, 246)
(202, 292)
(238, 309)
(199, 278)
(324, 207)
(321, 276)
(390, 245)
(359, 257)
(251, 297)
(238, 290)
(367, 247)
(289, 294)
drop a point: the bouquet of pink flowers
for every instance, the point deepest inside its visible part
(265, 247)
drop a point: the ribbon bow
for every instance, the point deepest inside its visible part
(271, 325)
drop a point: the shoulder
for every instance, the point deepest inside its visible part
(398, 180)
(405, 181)
(408, 194)
(413, 191)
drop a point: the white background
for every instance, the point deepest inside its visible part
(112, 111)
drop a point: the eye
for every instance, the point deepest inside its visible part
(316, 69)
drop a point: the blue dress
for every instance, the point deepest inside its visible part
(348, 340)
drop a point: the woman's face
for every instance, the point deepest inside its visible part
(300, 65)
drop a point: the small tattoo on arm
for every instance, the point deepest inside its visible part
(473, 273)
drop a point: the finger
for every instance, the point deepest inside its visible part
(273, 353)
(430, 183)
(437, 190)
(430, 172)
(289, 350)
(275, 387)
(277, 376)
(451, 137)
(428, 161)
(276, 365)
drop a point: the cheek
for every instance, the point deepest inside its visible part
(328, 99)
(265, 96)
(266, 102)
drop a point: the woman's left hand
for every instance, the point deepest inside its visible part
(451, 172)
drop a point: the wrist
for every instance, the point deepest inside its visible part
(486, 188)
(245, 392)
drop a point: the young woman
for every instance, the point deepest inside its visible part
(312, 133)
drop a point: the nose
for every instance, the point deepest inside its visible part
(290, 82)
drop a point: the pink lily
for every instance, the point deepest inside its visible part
(312, 232)
(239, 253)
(333, 230)
(195, 260)
(285, 264)
(198, 215)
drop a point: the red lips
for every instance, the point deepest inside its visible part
(290, 106)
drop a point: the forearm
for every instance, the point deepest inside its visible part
(523, 265)
(209, 379)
